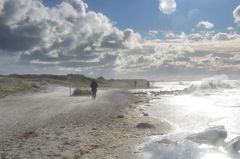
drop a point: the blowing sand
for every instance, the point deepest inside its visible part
(54, 125)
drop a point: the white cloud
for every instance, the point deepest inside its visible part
(153, 34)
(153, 56)
(225, 36)
(170, 35)
(196, 36)
(167, 6)
(230, 28)
(69, 37)
(236, 14)
(205, 25)
(202, 35)
(68, 31)
(45, 62)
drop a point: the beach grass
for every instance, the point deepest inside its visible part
(80, 92)
(30, 134)
(15, 86)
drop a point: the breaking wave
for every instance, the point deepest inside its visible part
(205, 86)
(212, 84)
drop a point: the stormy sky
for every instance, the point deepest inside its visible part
(152, 39)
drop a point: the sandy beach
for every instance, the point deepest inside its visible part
(51, 124)
(165, 74)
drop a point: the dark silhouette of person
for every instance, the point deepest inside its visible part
(135, 84)
(148, 84)
(94, 87)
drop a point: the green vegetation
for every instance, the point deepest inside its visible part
(10, 85)
(76, 80)
(15, 84)
(79, 92)
(30, 134)
(82, 152)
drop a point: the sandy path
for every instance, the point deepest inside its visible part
(72, 127)
(19, 114)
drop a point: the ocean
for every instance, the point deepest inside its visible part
(205, 115)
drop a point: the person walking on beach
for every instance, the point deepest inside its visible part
(148, 84)
(94, 87)
(135, 84)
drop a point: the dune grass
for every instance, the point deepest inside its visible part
(30, 134)
(14, 86)
(80, 92)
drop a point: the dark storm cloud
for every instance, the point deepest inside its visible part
(23, 38)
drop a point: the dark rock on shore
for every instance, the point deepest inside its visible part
(145, 126)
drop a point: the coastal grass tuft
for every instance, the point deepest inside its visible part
(82, 152)
(11, 85)
(79, 92)
(30, 134)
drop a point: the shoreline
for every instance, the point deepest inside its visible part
(121, 128)
(125, 134)
(101, 138)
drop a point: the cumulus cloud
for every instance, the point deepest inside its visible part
(70, 38)
(154, 56)
(57, 35)
(170, 35)
(153, 34)
(205, 25)
(230, 28)
(196, 37)
(225, 36)
(27, 25)
(202, 35)
(236, 14)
